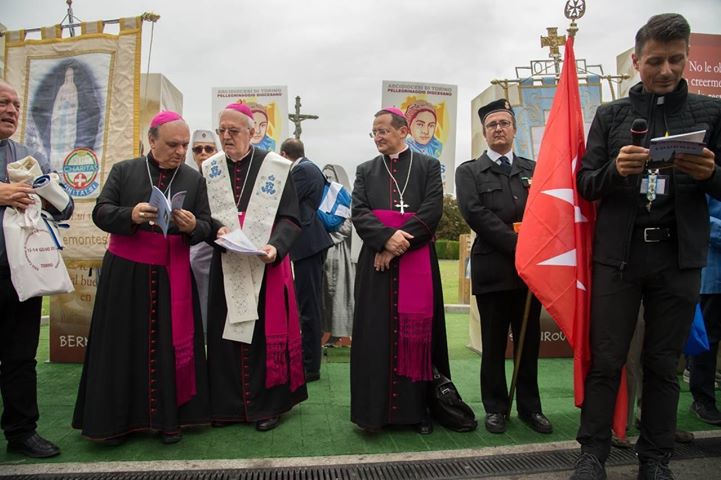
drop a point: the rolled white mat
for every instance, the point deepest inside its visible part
(48, 186)
(24, 170)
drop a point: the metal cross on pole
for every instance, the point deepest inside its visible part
(297, 117)
(553, 41)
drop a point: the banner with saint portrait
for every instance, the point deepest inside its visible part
(430, 109)
(270, 111)
(80, 99)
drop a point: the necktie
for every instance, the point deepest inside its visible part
(505, 165)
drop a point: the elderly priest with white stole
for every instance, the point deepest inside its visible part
(255, 357)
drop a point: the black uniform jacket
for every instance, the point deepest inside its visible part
(490, 202)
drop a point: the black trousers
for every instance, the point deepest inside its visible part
(669, 296)
(19, 334)
(498, 311)
(308, 278)
(703, 366)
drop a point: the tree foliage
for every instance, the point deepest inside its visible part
(452, 224)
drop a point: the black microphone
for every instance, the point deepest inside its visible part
(639, 129)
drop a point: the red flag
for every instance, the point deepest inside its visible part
(553, 255)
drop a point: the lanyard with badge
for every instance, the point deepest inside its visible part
(653, 184)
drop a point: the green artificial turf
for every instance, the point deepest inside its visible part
(321, 425)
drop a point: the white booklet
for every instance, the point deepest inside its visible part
(237, 241)
(165, 206)
(663, 149)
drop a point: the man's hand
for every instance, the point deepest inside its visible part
(222, 231)
(700, 167)
(185, 220)
(398, 243)
(631, 160)
(16, 195)
(270, 254)
(144, 212)
(382, 261)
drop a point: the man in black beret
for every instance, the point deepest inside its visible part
(492, 192)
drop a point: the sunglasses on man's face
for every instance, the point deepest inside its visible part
(200, 148)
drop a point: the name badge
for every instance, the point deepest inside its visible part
(661, 182)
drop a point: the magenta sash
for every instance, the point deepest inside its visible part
(415, 305)
(173, 253)
(282, 326)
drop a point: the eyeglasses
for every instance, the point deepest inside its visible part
(231, 131)
(379, 133)
(500, 123)
(206, 148)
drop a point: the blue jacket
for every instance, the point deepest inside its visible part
(711, 274)
(309, 182)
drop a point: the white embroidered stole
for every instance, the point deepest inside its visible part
(243, 274)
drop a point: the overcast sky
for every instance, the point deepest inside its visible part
(336, 53)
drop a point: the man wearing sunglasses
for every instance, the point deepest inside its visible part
(203, 147)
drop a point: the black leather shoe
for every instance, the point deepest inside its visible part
(267, 424)
(114, 441)
(538, 422)
(171, 438)
(371, 430)
(425, 427)
(495, 422)
(34, 446)
(312, 377)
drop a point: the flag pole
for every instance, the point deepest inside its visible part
(518, 343)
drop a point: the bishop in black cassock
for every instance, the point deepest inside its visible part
(238, 371)
(384, 390)
(144, 368)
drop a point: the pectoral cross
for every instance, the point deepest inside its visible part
(402, 206)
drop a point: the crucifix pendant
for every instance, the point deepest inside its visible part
(651, 192)
(402, 206)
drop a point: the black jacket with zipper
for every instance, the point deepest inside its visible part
(617, 197)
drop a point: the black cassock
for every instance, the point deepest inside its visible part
(237, 370)
(378, 396)
(128, 379)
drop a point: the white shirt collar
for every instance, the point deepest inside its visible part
(395, 156)
(494, 156)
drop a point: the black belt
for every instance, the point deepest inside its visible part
(655, 234)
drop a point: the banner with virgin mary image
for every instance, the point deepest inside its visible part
(430, 109)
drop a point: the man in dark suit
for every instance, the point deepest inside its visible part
(308, 252)
(492, 192)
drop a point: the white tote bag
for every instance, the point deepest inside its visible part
(33, 245)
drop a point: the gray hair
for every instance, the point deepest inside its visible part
(249, 122)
